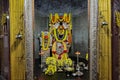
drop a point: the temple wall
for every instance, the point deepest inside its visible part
(115, 39)
(80, 34)
(41, 24)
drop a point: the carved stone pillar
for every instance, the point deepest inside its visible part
(93, 11)
(28, 14)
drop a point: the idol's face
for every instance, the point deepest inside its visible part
(61, 28)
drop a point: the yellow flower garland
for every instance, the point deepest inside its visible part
(68, 62)
(51, 70)
(43, 44)
(55, 18)
(66, 33)
(66, 17)
(51, 61)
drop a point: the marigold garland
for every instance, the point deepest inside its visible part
(51, 61)
(43, 43)
(68, 62)
(51, 70)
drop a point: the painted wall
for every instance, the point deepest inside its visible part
(17, 46)
(104, 37)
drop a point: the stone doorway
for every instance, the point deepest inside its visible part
(29, 24)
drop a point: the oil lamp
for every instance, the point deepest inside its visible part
(78, 72)
(77, 53)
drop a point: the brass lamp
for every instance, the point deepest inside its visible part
(77, 52)
(78, 72)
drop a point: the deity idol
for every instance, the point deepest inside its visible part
(60, 29)
(45, 46)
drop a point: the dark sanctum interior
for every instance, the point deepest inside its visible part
(59, 39)
(79, 19)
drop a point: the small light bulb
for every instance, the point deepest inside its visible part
(7, 17)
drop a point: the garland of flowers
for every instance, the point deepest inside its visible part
(43, 43)
(51, 70)
(60, 62)
(66, 18)
(56, 36)
(54, 19)
(69, 37)
(51, 62)
(54, 50)
(68, 62)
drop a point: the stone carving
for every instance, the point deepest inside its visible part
(29, 38)
(93, 37)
